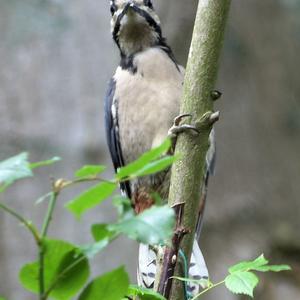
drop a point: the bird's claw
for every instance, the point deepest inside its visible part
(177, 128)
(179, 118)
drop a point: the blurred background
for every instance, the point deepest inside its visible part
(56, 58)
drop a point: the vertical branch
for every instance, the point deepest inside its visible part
(187, 173)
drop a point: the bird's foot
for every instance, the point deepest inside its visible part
(178, 128)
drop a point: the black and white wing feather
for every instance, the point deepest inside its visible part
(112, 132)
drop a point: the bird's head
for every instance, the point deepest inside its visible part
(135, 25)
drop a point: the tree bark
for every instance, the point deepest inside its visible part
(187, 177)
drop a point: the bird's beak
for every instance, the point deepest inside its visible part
(130, 6)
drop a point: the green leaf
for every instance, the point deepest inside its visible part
(14, 168)
(91, 250)
(143, 293)
(156, 166)
(59, 257)
(124, 207)
(242, 283)
(273, 268)
(153, 226)
(101, 232)
(90, 198)
(145, 159)
(249, 265)
(110, 286)
(44, 163)
(1, 298)
(102, 236)
(90, 170)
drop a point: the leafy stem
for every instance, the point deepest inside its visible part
(41, 245)
(25, 222)
(49, 214)
(211, 286)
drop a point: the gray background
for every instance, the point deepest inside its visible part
(56, 58)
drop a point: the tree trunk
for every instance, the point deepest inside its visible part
(187, 177)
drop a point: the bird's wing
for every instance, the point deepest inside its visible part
(209, 170)
(112, 132)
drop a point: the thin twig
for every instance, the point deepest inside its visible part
(208, 289)
(41, 245)
(26, 223)
(49, 214)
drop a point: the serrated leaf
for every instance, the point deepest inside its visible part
(153, 226)
(110, 286)
(14, 168)
(143, 293)
(145, 159)
(90, 170)
(273, 268)
(249, 265)
(242, 283)
(91, 198)
(59, 256)
(44, 163)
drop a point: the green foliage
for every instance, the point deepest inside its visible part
(241, 282)
(155, 166)
(91, 198)
(62, 269)
(89, 170)
(13, 169)
(44, 163)
(18, 167)
(101, 232)
(259, 264)
(110, 286)
(153, 226)
(241, 279)
(143, 293)
(60, 258)
(124, 207)
(142, 165)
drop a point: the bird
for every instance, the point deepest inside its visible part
(141, 109)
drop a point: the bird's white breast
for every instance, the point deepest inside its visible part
(147, 101)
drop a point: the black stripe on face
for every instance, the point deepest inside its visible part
(113, 7)
(152, 23)
(148, 3)
(118, 24)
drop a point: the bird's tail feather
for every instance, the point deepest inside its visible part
(147, 269)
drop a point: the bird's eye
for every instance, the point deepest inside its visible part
(113, 8)
(148, 3)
